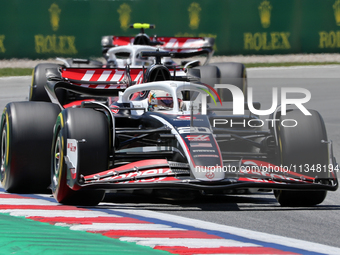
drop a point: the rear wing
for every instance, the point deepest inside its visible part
(102, 76)
(107, 76)
(103, 82)
(99, 81)
(178, 44)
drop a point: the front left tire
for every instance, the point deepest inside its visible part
(79, 124)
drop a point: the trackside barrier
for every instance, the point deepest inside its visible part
(70, 28)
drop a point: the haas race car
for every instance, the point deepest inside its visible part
(161, 130)
(119, 51)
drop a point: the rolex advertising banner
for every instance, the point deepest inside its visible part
(70, 28)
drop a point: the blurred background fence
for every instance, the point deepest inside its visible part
(73, 28)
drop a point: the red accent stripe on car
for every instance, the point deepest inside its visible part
(141, 163)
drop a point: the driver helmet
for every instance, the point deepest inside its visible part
(161, 100)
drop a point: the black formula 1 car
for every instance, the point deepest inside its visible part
(119, 51)
(180, 47)
(156, 130)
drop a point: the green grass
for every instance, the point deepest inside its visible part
(28, 71)
(290, 64)
(15, 71)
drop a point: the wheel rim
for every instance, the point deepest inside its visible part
(57, 158)
(32, 86)
(3, 150)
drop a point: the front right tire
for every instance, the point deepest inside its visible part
(303, 146)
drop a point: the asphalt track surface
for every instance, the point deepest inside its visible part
(258, 212)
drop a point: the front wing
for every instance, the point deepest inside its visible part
(163, 174)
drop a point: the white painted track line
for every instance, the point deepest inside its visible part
(250, 234)
(189, 242)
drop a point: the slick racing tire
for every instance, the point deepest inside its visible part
(302, 146)
(232, 73)
(225, 73)
(37, 89)
(79, 124)
(25, 139)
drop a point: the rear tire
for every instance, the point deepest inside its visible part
(79, 123)
(26, 138)
(37, 89)
(232, 73)
(301, 145)
(225, 73)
